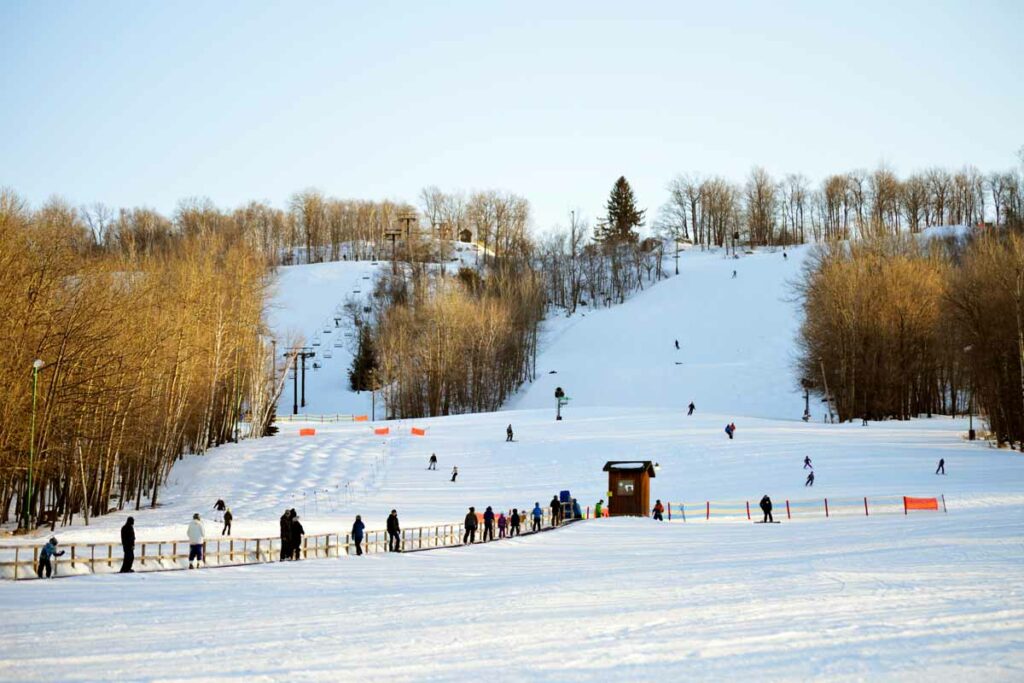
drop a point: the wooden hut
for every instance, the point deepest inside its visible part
(629, 487)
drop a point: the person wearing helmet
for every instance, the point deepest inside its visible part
(49, 550)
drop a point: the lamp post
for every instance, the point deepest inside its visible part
(37, 365)
(971, 434)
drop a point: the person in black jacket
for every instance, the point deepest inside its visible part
(470, 523)
(128, 545)
(556, 511)
(357, 534)
(226, 531)
(513, 523)
(508, 432)
(488, 524)
(286, 535)
(297, 532)
(766, 508)
(394, 533)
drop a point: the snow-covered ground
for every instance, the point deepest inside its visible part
(925, 596)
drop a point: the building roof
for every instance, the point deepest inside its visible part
(630, 466)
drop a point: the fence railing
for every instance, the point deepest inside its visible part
(861, 506)
(18, 562)
(302, 417)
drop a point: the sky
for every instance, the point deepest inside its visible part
(147, 103)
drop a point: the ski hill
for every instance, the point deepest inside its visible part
(847, 597)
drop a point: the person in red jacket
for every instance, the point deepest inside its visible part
(658, 510)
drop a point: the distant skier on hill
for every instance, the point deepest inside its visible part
(537, 514)
(730, 429)
(766, 508)
(508, 432)
(49, 550)
(677, 344)
(488, 524)
(659, 509)
(358, 529)
(470, 524)
(810, 479)
(502, 525)
(734, 275)
(941, 469)
(513, 523)
(195, 541)
(433, 462)
(226, 531)
(807, 462)
(690, 408)
(455, 473)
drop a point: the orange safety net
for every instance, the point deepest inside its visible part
(361, 418)
(308, 431)
(416, 431)
(382, 431)
(921, 503)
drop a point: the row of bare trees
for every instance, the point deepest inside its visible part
(895, 328)
(766, 211)
(150, 350)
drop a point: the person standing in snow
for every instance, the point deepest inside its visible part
(508, 432)
(49, 550)
(659, 511)
(433, 462)
(358, 528)
(455, 473)
(394, 532)
(226, 531)
(734, 275)
(766, 508)
(537, 515)
(729, 430)
(690, 409)
(677, 344)
(513, 523)
(807, 462)
(941, 469)
(556, 511)
(128, 546)
(196, 535)
(810, 479)
(577, 511)
(286, 535)
(470, 524)
(502, 525)
(599, 509)
(297, 532)
(488, 524)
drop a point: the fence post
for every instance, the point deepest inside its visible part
(110, 556)
(15, 563)
(788, 516)
(748, 510)
(904, 505)
(92, 559)
(707, 514)
(669, 511)
(866, 506)
(826, 507)
(142, 560)
(72, 557)
(943, 502)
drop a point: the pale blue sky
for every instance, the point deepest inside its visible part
(144, 103)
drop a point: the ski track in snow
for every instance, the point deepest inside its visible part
(925, 596)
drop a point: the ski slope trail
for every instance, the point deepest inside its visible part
(736, 338)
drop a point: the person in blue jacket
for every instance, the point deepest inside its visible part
(357, 534)
(577, 511)
(537, 515)
(49, 550)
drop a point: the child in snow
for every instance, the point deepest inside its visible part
(49, 550)
(502, 525)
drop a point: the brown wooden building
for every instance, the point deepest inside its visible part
(629, 487)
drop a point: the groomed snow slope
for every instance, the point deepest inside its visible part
(928, 596)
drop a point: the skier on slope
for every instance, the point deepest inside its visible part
(358, 529)
(766, 508)
(810, 479)
(807, 462)
(297, 532)
(537, 514)
(677, 344)
(502, 525)
(488, 524)
(659, 509)
(286, 535)
(556, 510)
(508, 432)
(691, 408)
(514, 523)
(470, 523)
(195, 541)
(394, 533)
(226, 531)
(128, 546)
(433, 462)
(455, 473)
(941, 469)
(599, 509)
(49, 550)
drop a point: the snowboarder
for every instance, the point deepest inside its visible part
(658, 510)
(690, 408)
(357, 534)
(766, 508)
(226, 531)
(455, 473)
(433, 462)
(394, 532)
(470, 524)
(513, 523)
(599, 509)
(502, 525)
(810, 479)
(297, 532)
(677, 344)
(556, 509)
(488, 524)
(195, 541)
(807, 462)
(537, 514)
(286, 535)
(508, 432)
(941, 469)
(128, 545)
(49, 550)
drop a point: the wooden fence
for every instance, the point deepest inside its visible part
(19, 562)
(861, 506)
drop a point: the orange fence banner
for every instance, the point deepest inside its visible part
(416, 431)
(361, 418)
(920, 503)
(307, 431)
(382, 431)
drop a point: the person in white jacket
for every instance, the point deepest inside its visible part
(195, 541)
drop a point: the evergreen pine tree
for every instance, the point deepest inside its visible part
(623, 216)
(360, 375)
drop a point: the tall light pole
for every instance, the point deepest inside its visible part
(37, 365)
(971, 434)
